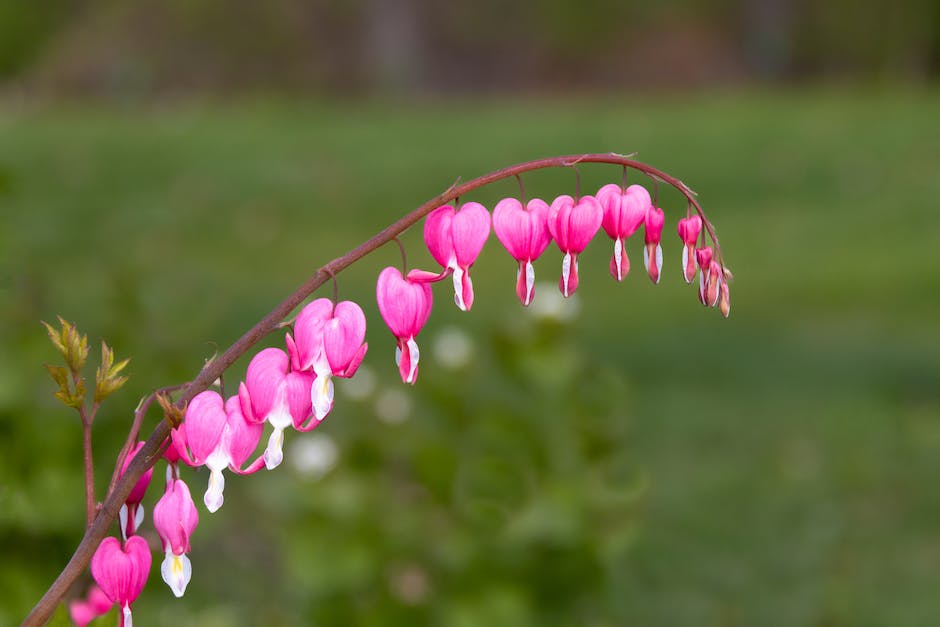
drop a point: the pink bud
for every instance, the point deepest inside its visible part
(131, 514)
(405, 305)
(724, 301)
(122, 571)
(175, 518)
(653, 254)
(455, 239)
(524, 233)
(572, 226)
(83, 611)
(140, 488)
(624, 212)
(689, 230)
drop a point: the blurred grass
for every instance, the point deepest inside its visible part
(648, 463)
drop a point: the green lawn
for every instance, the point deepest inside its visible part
(645, 463)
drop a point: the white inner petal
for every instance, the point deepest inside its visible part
(646, 258)
(176, 571)
(214, 497)
(458, 288)
(139, 517)
(322, 395)
(274, 454)
(566, 272)
(122, 517)
(659, 258)
(618, 257)
(413, 355)
(128, 620)
(529, 281)
(397, 356)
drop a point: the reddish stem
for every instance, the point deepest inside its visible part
(89, 473)
(152, 449)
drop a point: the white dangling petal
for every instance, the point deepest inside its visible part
(458, 288)
(214, 496)
(321, 395)
(176, 571)
(646, 258)
(274, 454)
(139, 517)
(659, 262)
(566, 272)
(397, 356)
(618, 257)
(685, 265)
(413, 355)
(128, 620)
(122, 517)
(529, 281)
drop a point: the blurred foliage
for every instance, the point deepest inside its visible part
(643, 462)
(177, 47)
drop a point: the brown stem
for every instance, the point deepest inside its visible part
(151, 451)
(89, 472)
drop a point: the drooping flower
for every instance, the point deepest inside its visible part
(405, 304)
(710, 277)
(689, 230)
(96, 603)
(122, 572)
(216, 435)
(175, 518)
(274, 393)
(131, 514)
(653, 253)
(624, 212)
(330, 341)
(524, 233)
(724, 301)
(455, 239)
(572, 225)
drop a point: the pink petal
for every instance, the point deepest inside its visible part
(243, 435)
(574, 225)
(140, 488)
(121, 572)
(404, 304)
(558, 221)
(470, 228)
(266, 372)
(609, 197)
(438, 234)
(298, 395)
(689, 229)
(175, 517)
(524, 233)
(343, 335)
(655, 219)
(204, 421)
(308, 331)
(634, 206)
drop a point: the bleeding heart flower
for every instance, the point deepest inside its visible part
(455, 239)
(273, 393)
(175, 518)
(624, 212)
(131, 514)
(122, 571)
(524, 233)
(689, 230)
(330, 342)
(573, 225)
(653, 254)
(405, 304)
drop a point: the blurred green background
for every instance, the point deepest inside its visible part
(623, 458)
